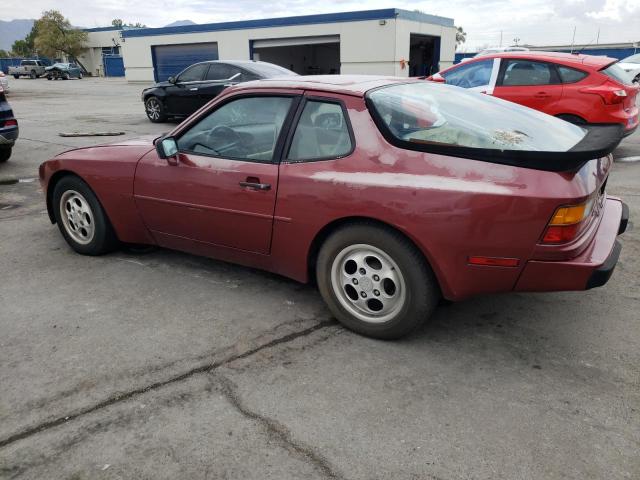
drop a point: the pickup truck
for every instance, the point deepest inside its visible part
(28, 68)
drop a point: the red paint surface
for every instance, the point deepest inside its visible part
(451, 208)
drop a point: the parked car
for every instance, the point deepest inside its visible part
(64, 71)
(631, 65)
(578, 88)
(182, 95)
(4, 82)
(8, 128)
(390, 192)
(28, 68)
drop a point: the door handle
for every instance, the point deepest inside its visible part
(256, 185)
(195, 89)
(542, 95)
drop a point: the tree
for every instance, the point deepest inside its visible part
(4, 54)
(118, 23)
(26, 47)
(461, 36)
(55, 35)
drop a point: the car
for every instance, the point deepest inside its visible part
(8, 128)
(390, 193)
(182, 95)
(63, 71)
(631, 65)
(28, 68)
(578, 88)
(4, 82)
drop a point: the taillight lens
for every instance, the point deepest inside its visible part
(567, 223)
(11, 123)
(610, 92)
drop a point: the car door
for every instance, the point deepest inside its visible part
(531, 83)
(222, 189)
(477, 75)
(219, 77)
(183, 97)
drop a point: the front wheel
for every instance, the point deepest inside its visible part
(154, 110)
(80, 76)
(49, 77)
(65, 76)
(33, 75)
(5, 154)
(81, 219)
(375, 281)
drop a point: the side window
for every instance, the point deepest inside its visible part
(221, 71)
(525, 72)
(243, 129)
(571, 75)
(470, 75)
(322, 132)
(193, 73)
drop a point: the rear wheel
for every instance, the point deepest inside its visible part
(49, 77)
(155, 110)
(375, 281)
(576, 120)
(81, 219)
(65, 76)
(5, 154)
(80, 76)
(16, 76)
(33, 74)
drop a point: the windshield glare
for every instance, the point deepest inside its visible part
(435, 114)
(632, 59)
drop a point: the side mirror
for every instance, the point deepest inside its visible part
(167, 149)
(171, 80)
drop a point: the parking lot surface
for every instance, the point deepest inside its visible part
(157, 364)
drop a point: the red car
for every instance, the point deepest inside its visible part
(390, 193)
(577, 88)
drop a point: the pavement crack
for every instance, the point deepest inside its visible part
(121, 397)
(275, 429)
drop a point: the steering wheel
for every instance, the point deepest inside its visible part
(222, 132)
(465, 83)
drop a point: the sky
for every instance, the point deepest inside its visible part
(536, 22)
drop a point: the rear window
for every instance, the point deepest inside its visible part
(617, 73)
(425, 115)
(267, 70)
(28, 62)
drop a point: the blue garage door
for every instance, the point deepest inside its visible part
(169, 60)
(113, 65)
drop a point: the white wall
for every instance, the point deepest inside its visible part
(365, 46)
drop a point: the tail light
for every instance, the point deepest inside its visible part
(567, 223)
(609, 91)
(2, 74)
(11, 123)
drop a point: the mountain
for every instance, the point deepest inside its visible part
(13, 30)
(181, 23)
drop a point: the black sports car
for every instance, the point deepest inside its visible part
(199, 83)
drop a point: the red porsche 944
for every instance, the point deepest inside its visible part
(390, 193)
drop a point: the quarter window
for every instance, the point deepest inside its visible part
(194, 73)
(221, 71)
(470, 75)
(571, 75)
(243, 129)
(322, 132)
(525, 72)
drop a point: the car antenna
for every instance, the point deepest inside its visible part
(586, 46)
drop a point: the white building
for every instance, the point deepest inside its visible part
(386, 42)
(101, 42)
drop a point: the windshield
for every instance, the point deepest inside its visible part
(422, 115)
(268, 70)
(632, 59)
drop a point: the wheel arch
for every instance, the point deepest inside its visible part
(338, 223)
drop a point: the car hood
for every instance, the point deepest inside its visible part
(159, 85)
(133, 147)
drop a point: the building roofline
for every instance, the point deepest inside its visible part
(381, 14)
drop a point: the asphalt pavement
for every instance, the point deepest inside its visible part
(158, 364)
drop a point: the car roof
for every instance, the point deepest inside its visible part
(356, 85)
(594, 61)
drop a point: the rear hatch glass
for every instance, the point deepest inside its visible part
(624, 78)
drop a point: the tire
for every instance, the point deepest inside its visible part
(5, 154)
(154, 109)
(49, 77)
(16, 77)
(576, 120)
(65, 76)
(86, 229)
(33, 75)
(351, 266)
(80, 76)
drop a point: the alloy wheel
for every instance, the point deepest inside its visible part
(153, 109)
(77, 217)
(368, 283)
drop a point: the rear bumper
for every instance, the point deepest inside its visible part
(8, 136)
(592, 268)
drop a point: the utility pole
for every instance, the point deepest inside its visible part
(573, 39)
(500, 38)
(598, 36)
